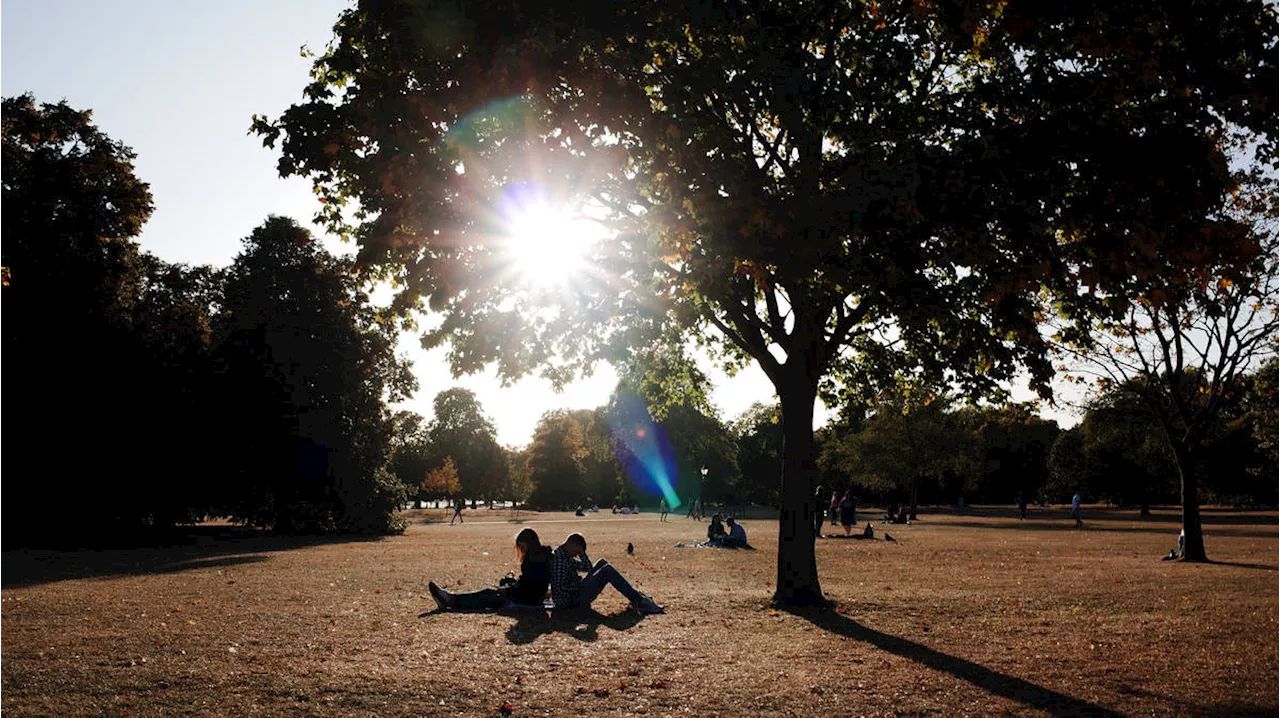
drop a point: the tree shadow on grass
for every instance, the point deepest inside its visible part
(1238, 564)
(196, 547)
(1110, 525)
(1011, 687)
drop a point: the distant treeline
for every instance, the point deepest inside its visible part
(891, 452)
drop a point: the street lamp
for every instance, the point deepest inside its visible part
(702, 490)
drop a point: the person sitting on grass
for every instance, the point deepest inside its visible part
(715, 531)
(737, 535)
(571, 589)
(530, 589)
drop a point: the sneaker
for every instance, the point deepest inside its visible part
(440, 595)
(647, 605)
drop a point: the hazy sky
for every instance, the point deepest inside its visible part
(178, 82)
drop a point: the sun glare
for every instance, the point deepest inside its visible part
(547, 244)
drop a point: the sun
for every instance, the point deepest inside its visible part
(547, 244)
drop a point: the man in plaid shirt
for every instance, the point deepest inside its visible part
(569, 589)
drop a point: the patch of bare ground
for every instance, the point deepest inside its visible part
(964, 614)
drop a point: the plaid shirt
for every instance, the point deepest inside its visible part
(565, 581)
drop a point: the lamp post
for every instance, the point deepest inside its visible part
(702, 490)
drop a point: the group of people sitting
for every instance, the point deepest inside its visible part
(726, 533)
(566, 571)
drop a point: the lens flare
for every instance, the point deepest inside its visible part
(645, 452)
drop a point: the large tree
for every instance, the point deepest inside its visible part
(72, 278)
(306, 371)
(460, 429)
(554, 459)
(833, 190)
(1183, 346)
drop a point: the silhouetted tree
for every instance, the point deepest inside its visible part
(411, 457)
(1182, 344)
(847, 194)
(1009, 446)
(306, 371)
(72, 279)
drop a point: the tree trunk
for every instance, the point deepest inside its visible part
(797, 563)
(1194, 550)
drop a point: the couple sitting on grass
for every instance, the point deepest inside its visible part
(574, 581)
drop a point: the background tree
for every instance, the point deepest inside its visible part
(602, 478)
(1069, 471)
(306, 372)
(661, 384)
(172, 381)
(73, 275)
(1260, 403)
(519, 483)
(1183, 348)
(908, 445)
(845, 194)
(758, 431)
(1127, 456)
(1010, 447)
(555, 462)
(411, 456)
(460, 429)
(441, 482)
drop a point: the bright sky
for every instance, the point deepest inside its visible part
(178, 82)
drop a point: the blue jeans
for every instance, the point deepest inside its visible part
(601, 575)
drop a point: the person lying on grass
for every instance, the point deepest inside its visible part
(569, 589)
(530, 589)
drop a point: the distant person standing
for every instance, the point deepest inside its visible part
(692, 507)
(835, 503)
(848, 512)
(1075, 510)
(662, 508)
(818, 504)
(457, 510)
(1022, 504)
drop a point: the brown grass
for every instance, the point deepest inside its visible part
(976, 614)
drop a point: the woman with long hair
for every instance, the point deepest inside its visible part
(529, 589)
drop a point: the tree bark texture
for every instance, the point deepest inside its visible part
(1194, 550)
(797, 583)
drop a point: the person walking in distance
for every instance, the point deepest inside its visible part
(1075, 510)
(457, 510)
(662, 508)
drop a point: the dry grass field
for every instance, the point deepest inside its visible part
(975, 614)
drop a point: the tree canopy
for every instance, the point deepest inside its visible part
(847, 194)
(460, 429)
